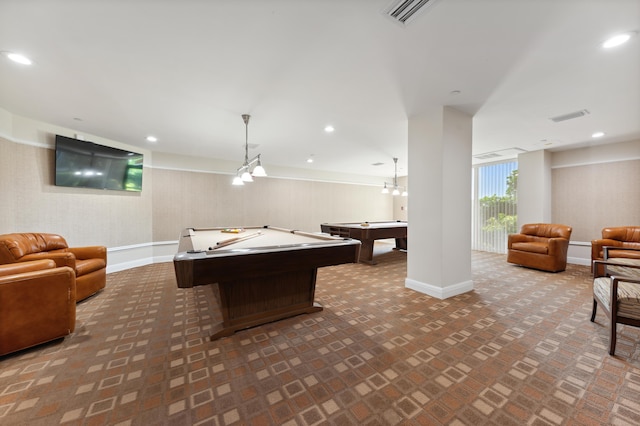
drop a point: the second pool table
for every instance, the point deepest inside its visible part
(368, 232)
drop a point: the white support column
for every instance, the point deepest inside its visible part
(439, 233)
(534, 187)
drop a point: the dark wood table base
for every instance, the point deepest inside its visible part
(251, 302)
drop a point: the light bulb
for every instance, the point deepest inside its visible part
(21, 59)
(616, 40)
(259, 171)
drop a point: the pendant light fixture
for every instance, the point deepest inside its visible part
(245, 173)
(396, 188)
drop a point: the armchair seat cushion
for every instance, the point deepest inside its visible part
(85, 267)
(532, 247)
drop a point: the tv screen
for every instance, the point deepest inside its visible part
(84, 164)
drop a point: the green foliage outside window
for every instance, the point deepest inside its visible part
(498, 213)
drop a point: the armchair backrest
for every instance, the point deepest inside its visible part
(622, 233)
(15, 246)
(547, 230)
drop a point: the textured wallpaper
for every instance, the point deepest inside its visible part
(170, 201)
(32, 203)
(192, 199)
(592, 197)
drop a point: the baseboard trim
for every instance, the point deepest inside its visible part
(439, 292)
(579, 261)
(123, 266)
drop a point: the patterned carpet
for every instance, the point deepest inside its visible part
(519, 349)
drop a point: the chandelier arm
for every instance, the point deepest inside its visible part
(395, 175)
(244, 172)
(246, 117)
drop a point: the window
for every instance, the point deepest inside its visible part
(494, 205)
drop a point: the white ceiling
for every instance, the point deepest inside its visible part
(185, 71)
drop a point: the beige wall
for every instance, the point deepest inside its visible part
(170, 201)
(32, 203)
(588, 188)
(591, 197)
(195, 199)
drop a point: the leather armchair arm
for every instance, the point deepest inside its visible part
(46, 284)
(37, 307)
(89, 252)
(597, 247)
(62, 258)
(47, 278)
(558, 245)
(19, 268)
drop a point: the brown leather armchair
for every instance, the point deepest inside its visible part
(623, 241)
(37, 304)
(89, 263)
(541, 246)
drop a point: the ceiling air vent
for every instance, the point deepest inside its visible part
(569, 116)
(502, 154)
(487, 156)
(403, 11)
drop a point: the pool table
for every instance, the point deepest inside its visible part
(261, 274)
(368, 232)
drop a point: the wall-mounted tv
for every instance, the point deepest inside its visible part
(84, 164)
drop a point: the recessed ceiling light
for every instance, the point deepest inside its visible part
(617, 40)
(597, 135)
(16, 57)
(329, 129)
(152, 139)
(310, 159)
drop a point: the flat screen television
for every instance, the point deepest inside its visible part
(84, 164)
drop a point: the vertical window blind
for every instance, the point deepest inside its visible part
(494, 204)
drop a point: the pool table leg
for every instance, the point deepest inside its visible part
(401, 244)
(366, 251)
